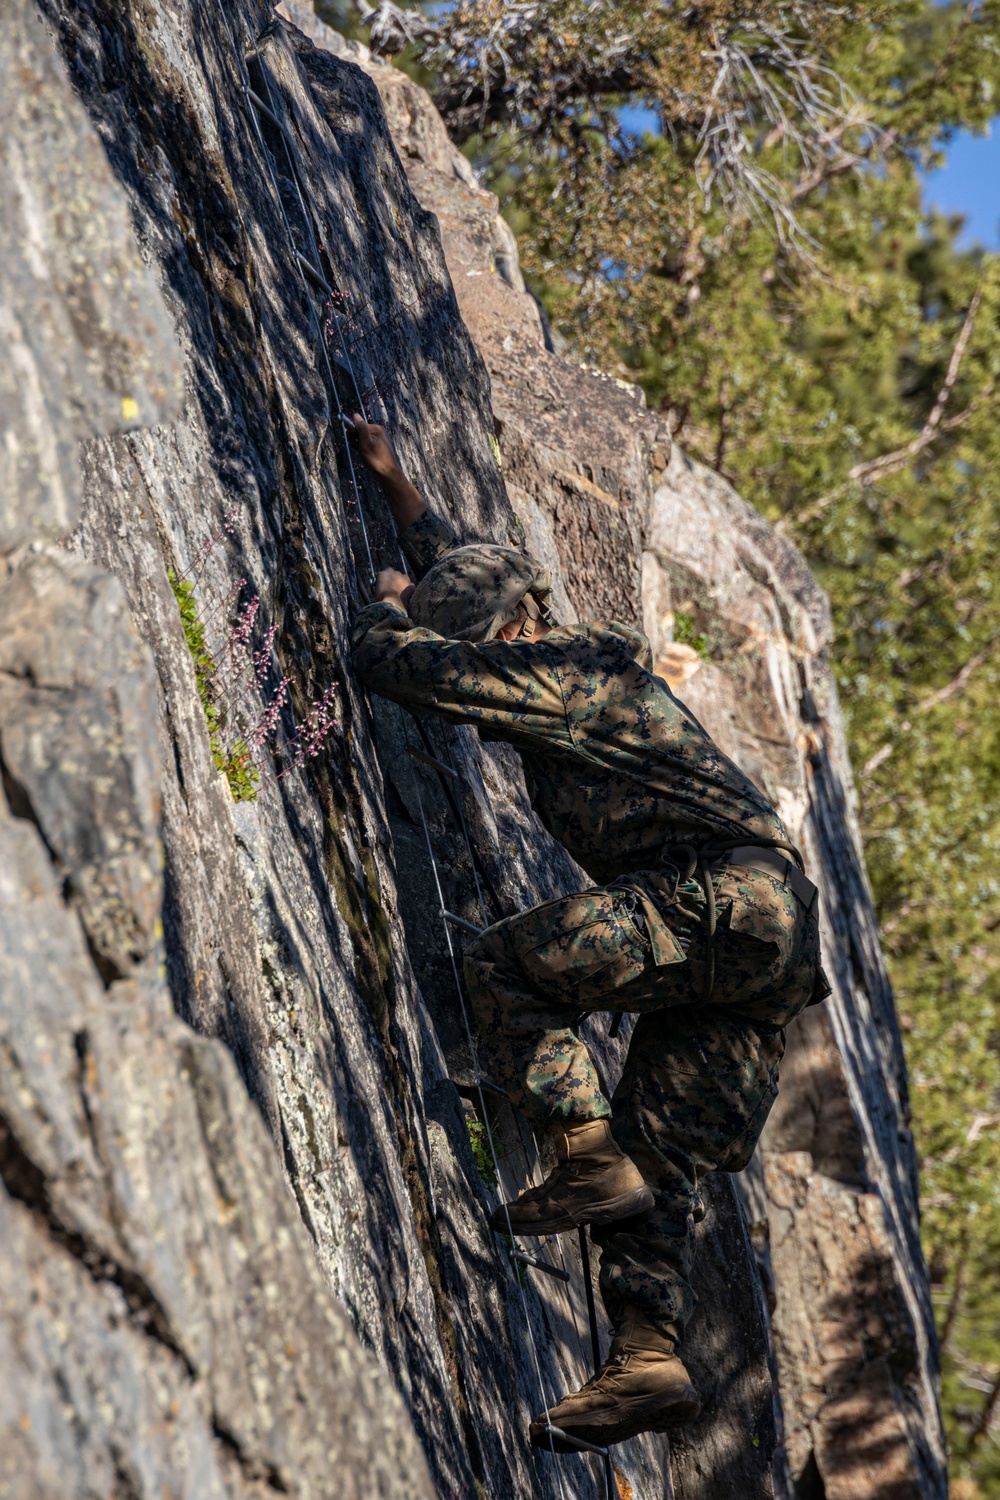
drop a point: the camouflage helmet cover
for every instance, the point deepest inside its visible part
(472, 592)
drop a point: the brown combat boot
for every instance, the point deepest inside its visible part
(594, 1182)
(641, 1387)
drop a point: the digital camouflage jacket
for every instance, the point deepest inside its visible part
(616, 766)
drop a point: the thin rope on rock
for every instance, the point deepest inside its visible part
(449, 917)
(474, 1055)
(295, 173)
(317, 322)
(308, 274)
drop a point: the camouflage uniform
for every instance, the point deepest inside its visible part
(620, 772)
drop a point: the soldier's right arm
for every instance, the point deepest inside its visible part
(510, 689)
(424, 537)
(426, 542)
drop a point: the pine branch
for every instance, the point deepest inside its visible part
(874, 469)
(889, 462)
(874, 761)
(957, 684)
(982, 1427)
(951, 689)
(836, 166)
(955, 1300)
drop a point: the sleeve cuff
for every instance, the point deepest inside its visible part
(427, 541)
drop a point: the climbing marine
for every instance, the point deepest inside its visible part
(701, 923)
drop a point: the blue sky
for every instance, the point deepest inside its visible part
(968, 183)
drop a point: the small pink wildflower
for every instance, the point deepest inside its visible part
(240, 631)
(262, 658)
(224, 604)
(268, 720)
(207, 547)
(320, 719)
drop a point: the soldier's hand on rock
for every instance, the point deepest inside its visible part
(377, 453)
(379, 457)
(393, 586)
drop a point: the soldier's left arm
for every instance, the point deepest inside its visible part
(512, 689)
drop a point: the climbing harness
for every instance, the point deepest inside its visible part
(312, 280)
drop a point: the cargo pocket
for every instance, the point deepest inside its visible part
(768, 915)
(759, 935)
(580, 948)
(646, 898)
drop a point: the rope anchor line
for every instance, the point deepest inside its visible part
(524, 1259)
(457, 921)
(574, 1442)
(311, 277)
(577, 1445)
(308, 273)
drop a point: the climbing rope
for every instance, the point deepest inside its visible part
(309, 275)
(560, 1274)
(311, 278)
(484, 1113)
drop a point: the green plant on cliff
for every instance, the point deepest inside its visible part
(233, 761)
(758, 259)
(687, 633)
(481, 1154)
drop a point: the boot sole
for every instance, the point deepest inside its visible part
(646, 1417)
(639, 1200)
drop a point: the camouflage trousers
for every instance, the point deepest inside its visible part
(699, 1078)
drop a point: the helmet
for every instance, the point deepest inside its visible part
(473, 592)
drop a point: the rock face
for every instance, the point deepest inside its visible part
(218, 1182)
(639, 531)
(164, 1325)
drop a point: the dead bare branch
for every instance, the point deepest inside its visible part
(986, 1416)
(872, 470)
(873, 762)
(889, 462)
(958, 683)
(754, 82)
(951, 689)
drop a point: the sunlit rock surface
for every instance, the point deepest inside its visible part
(235, 1113)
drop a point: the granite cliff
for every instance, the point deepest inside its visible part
(244, 1180)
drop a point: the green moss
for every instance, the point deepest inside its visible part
(310, 1124)
(235, 763)
(481, 1154)
(686, 632)
(378, 922)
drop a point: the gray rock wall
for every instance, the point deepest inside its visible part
(164, 1324)
(235, 1145)
(283, 917)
